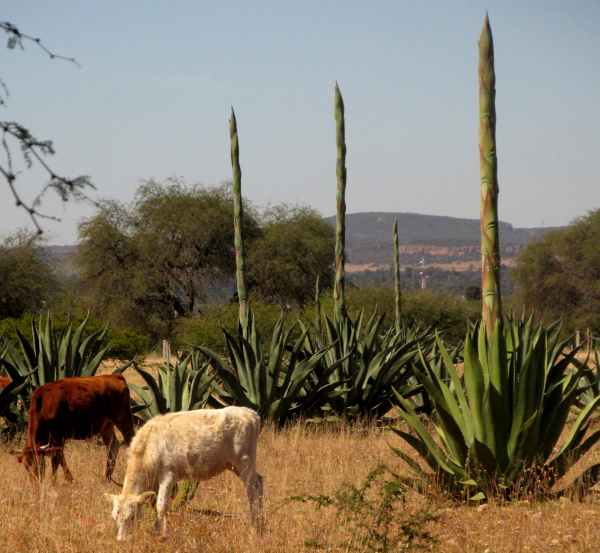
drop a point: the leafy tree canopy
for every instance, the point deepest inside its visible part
(146, 263)
(559, 274)
(27, 280)
(295, 247)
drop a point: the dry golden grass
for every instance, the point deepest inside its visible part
(298, 459)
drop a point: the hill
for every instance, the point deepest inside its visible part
(451, 248)
(447, 240)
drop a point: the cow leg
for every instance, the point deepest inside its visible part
(58, 458)
(254, 488)
(126, 428)
(162, 505)
(112, 448)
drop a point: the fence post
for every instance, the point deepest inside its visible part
(589, 344)
(166, 351)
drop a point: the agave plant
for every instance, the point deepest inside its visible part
(275, 385)
(501, 424)
(272, 384)
(14, 415)
(368, 364)
(504, 422)
(184, 386)
(51, 356)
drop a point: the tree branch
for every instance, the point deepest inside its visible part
(33, 149)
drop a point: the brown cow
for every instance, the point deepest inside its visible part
(75, 408)
(4, 382)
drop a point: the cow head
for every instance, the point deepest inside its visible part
(32, 459)
(127, 510)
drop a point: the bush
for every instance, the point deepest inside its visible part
(449, 314)
(125, 344)
(205, 330)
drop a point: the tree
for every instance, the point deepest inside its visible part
(27, 280)
(559, 274)
(473, 292)
(295, 247)
(146, 263)
(32, 149)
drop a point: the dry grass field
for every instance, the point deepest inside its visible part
(299, 459)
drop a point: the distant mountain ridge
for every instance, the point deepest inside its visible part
(447, 240)
(432, 230)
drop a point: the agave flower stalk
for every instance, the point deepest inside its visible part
(318, 322)
(397, 274)
(339, 296)
(238, 214)
(490, 247)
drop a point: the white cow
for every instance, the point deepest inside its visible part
(190, 444)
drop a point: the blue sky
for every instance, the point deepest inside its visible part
(153, 95)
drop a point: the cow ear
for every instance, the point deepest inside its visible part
(146, 496)
(110, 497)
(17, 454)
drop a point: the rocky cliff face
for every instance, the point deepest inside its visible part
(372, 256)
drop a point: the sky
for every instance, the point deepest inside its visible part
(156, 82)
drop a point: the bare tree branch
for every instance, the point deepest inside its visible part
(33, 149)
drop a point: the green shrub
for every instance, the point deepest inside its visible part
(447, 313)
(205, 329)
(375, 515)
(125, 344)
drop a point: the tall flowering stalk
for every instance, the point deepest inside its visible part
(238, 214)
(397, 274)
(339, 296)
(490, 248)
(318, 322)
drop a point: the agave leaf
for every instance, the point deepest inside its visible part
(250, 363)
(92, 366)
(530, 391)
(561, 463)
(449, 416)
(278, 342)
(526, 445)
(88, 349)
(414, 466)
(469, 430)
(474, 387)
(65, 368)
(175, 385)
(581, 420)
(17, 369)
(142, 393)
(425, 438)
(232, 384)
(294, 356)
(482, 458)
(153, 389)
(31, 357)
(556, 425)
